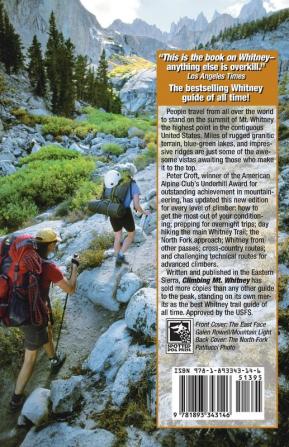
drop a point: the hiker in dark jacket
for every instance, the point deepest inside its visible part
(127, 221)
(36, 337)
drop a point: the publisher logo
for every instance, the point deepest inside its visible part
(179, 336)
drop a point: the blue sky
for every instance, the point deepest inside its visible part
(163, 12)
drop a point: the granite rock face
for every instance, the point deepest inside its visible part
(140, 315)
(61, 434)
(36, 406)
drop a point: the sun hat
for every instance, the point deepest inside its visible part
(47, 235)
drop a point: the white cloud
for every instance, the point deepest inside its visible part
(106, 11)
(274, 5)
(235, 9)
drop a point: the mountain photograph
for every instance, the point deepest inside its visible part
(77, 102)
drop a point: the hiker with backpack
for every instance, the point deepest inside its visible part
(120, 190)
(26, 276)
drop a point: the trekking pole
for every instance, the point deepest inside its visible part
(63, 313)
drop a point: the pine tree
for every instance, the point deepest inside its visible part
(105, 97)
(80, 76)
(115, 103)
(1, 30)
(36, 68)
(102, 83)
(52, 49)
(66, 98)
(91, 88)
(10, 44)
(59, 60)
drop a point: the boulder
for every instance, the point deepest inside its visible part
(138, 93)
(39, 138)
(65, 394)
(36, 147)
(110, 351)
(135, 132)
(36, 406)
(39, 112)
(129, 374)
(129, 284)
(76, 147)
(6, 155)
(6, 168)
(96, 141)
(99, 285)
(77, 236)
(138, 438)
(140, 315)
(135, 142)
(61, 434)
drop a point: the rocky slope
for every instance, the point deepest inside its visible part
(274, 40)
(110, 311)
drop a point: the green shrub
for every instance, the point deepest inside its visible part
(2, 87)
(147, 157)
(283, 84)
(13, 215)
(283, 319)
(57, 310)
(86, 191)
(58, 125)
(90, 259)
(94, 255)
(282, 285)
(62, 209)
(283, 132)
(152, 149)
(136, 132)
(38, 185)
(283, 159)
(115, 124)
(24, 117)
(283, 252)
(112, 149)
(75, 216)
(11, 346)
(50, 152)
(150, 137)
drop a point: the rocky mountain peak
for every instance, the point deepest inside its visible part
(31, 17)
(201, 22)
(215, 15)
(252, 11)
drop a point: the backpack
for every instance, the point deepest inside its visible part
(111, 202)
(20, 270)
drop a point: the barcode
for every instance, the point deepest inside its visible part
(203, 393)
(249, 396)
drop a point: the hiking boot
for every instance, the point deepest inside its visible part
(17, 401)
(57, 361)
(120, 259)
